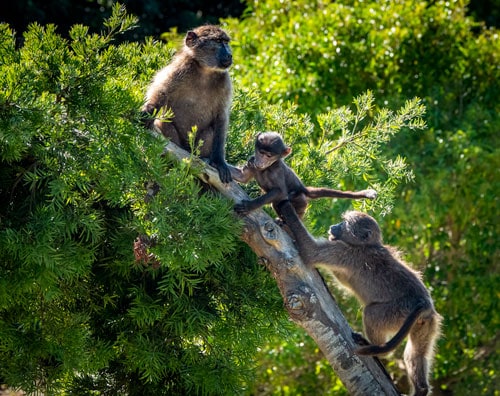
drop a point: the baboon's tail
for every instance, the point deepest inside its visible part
(398, 338)
(323, 192)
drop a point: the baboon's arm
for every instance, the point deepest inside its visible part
(313, 251)
(303, 238)
(218, 151)
(273, 195)
(220, 127)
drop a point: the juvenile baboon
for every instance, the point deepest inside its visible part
(279, 181)
(196, 87)
(394, 297)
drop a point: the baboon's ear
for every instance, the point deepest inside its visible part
(286, 152)
(190, 39)
(257, 142)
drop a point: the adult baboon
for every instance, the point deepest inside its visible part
(279, 181)
(196, 87)
(394, 297)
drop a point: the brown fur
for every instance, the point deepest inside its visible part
(394, 297)
(279, 181)
(196, 87)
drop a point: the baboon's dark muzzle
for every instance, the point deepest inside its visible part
(226, 61)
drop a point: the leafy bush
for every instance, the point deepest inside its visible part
(78, 313)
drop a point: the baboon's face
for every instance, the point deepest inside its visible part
(357, 229)
(335, 231)
(211, 47)
(216, 53)
(269, 148)
(263, 159)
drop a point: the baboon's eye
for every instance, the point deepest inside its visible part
(366, 235)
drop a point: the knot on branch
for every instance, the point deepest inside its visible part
(281, 264)
(205, 177)
(301, 303)
(270, 233)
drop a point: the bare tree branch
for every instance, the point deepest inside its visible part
(307, 300)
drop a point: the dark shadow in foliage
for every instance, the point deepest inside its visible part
(155, 16)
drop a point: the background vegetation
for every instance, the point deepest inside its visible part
(79, 315)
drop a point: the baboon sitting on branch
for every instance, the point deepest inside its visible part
(279, 181)
(196, 87)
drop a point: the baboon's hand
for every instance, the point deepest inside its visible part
(224, 172)
(243, 207)
(370, 194)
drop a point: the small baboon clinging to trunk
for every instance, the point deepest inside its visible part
(394, 297)
(196, 87)
(279, 181)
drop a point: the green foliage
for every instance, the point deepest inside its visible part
(321, 53)
(294, 366)
(78, 313)
(347, 154)
(354, 144)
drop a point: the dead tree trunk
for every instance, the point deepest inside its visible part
(306, 297)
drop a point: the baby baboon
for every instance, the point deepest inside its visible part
(196, 87)
(394, 297)
(279, 181)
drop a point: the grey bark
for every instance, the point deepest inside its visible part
(307, 299)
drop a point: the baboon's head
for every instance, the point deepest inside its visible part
(209, 45)
(269, 148)
(357, 229)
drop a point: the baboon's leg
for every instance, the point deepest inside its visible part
(380, 320)
(419, 353)
(299, 202)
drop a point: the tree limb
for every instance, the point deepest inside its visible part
(304, 292)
